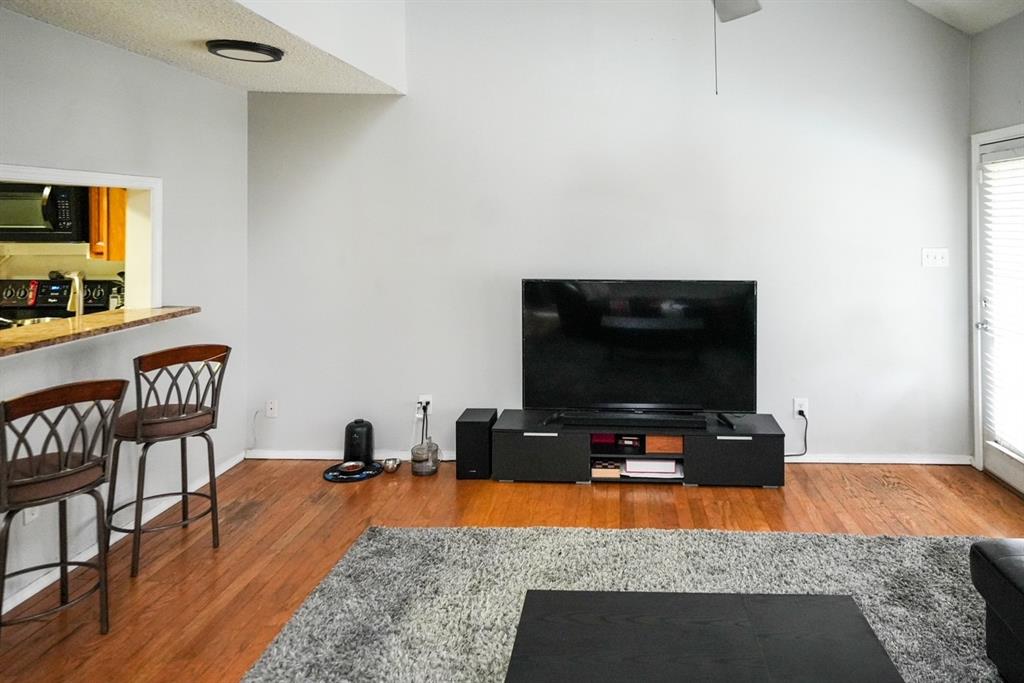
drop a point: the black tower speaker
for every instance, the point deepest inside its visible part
(473, 443)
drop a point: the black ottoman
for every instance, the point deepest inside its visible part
(997, 570)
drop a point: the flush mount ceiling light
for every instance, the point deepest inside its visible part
(244, 51)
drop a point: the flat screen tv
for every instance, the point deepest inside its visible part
(655, 345)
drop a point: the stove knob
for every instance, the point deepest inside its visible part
(8, 292)
(22, 293)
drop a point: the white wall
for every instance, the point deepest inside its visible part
(70, 102)
(368, 34)
(997, 76)
(585, 140)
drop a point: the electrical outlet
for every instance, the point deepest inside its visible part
(935, 257)
(271, 408)
(424, 398)
(800, 404)
(29, 515)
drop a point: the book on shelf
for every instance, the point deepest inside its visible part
(643, 466)
(675, 473)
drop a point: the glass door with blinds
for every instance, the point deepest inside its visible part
(999, 320)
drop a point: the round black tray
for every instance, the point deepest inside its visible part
(336, 475)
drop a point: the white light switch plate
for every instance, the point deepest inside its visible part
(935, 257)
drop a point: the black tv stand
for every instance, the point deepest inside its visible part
(532, 445)
(627, 418)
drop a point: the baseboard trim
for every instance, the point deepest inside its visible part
(817, 458)
(882, 459)
(13, 600)
(335, 455)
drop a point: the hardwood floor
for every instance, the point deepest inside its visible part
(200, 614)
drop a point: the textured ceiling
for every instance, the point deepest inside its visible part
(175, 32)
(971, 16)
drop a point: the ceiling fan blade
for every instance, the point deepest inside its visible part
(727, 10)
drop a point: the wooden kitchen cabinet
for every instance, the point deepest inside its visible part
(108, 218)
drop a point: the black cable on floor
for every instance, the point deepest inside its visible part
(804, 451)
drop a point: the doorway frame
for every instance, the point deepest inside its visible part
(977, 141)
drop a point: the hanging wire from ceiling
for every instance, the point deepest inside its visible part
(714, 24)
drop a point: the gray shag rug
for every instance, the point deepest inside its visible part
(431, 604)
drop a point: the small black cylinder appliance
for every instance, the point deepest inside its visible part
(359, 441)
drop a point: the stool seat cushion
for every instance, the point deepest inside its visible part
(164, 422)
(25, 484)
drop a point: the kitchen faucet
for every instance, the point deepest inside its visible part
(76, 298)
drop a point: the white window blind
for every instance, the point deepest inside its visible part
(1002, 290)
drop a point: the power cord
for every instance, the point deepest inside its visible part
(422, 408)
(804, 451)
(252, 429)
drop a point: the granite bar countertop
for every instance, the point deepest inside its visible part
(31, 337)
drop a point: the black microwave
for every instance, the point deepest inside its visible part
(43, 213)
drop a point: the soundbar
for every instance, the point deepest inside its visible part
(587, 418)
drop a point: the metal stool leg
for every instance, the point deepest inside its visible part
(4, 534)
(62, 507)
(184, 480)
(214, 516)
(112, 489)
(103, 541)
(140, 493)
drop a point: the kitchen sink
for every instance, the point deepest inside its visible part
(6, 324)
(35, 321)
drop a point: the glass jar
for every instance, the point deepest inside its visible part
(425, 458)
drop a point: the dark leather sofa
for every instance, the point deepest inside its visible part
(997, 570)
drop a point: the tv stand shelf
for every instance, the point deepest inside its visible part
(527, 445)
(640, 480)
(633, 456)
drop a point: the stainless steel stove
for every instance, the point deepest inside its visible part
(25, 302)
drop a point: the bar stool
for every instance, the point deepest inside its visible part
(55, 444)
(177, 394)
